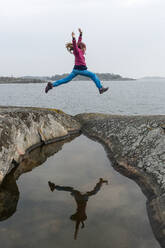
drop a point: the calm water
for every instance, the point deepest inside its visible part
(131, 97)
(115, 215)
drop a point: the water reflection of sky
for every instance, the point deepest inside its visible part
(116, 215)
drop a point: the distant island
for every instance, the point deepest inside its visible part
(38, 79)
(20, 80)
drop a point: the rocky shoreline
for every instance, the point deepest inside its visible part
(23, 129)
(136, 141)
(134, 144)
(135, 147)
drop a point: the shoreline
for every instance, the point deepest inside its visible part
(134, 145)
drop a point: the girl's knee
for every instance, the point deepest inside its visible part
(91, 75)
(94, 77)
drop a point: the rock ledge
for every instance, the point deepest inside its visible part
(25, 128)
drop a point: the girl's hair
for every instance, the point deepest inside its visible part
(69, 46)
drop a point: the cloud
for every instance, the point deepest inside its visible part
(125, 34)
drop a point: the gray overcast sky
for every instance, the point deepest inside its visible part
(122, 36)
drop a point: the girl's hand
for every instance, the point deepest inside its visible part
(80, 31)
(73, 35)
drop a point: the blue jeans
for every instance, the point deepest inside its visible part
(74, 73)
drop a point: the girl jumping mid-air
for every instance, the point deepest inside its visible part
(80, 68)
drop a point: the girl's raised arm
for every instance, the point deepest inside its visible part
(80, 35)
(75, 47)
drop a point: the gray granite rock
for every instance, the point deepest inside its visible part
(134, 144)
(136, 147)
(138, 141)
(24, 128)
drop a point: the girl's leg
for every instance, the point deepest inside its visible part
(91, 75)
(64, 80)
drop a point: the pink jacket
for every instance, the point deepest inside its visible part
(78, 53)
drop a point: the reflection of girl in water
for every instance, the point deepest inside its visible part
(81, 201)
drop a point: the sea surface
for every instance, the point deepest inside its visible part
(139, 97)
(112, 214)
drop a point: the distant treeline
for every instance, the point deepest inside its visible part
(102, 76)
(37, 79)
(21, 80)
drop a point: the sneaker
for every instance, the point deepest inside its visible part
(102, 90)
(49, 86)
(51, 186)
